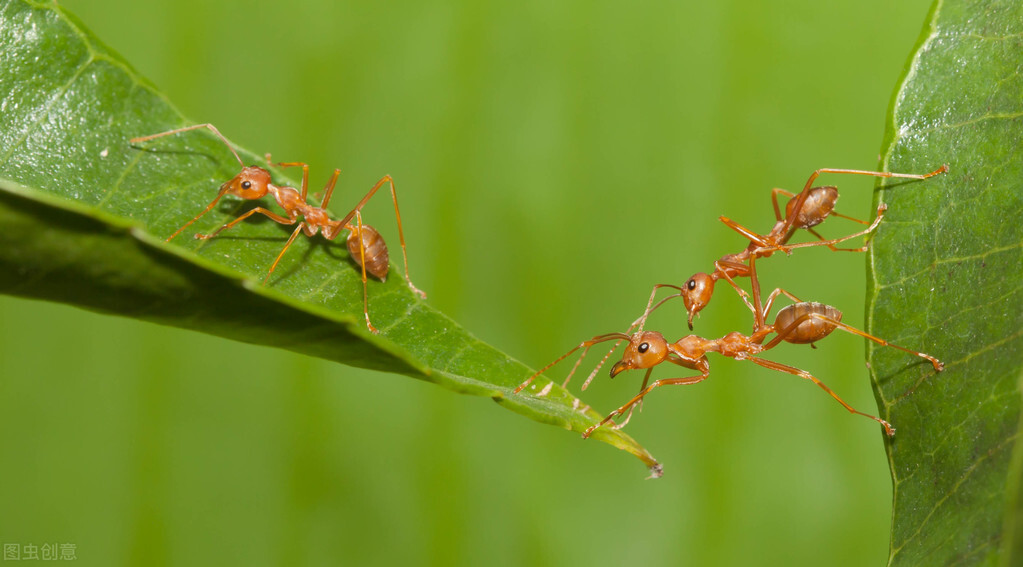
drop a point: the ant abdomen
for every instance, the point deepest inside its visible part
(809, 329)
(374, 249)
(819, 203)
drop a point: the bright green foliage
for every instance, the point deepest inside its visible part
(946, 268)
(84, 214)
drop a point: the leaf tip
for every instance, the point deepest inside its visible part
(656, 471)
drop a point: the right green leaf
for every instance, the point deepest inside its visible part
(945, 271)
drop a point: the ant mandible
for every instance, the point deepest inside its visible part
(365, 244)
(800, 323)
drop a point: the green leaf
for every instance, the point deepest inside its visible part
(946, 267)
(84, 214)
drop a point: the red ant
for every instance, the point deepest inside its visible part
(814, 204)
(365, 244)
(800, 323)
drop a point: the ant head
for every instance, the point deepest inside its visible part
(250, 183)
(645, 350)
(696, 294)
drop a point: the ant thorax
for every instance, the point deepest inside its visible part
(692, 347)
(289, 198)
(736, 345)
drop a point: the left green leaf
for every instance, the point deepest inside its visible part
(83, 215)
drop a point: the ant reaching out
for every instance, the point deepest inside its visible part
(800, 323)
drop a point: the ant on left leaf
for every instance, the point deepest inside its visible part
(364, 243)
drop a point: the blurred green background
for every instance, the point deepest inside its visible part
(554, 160)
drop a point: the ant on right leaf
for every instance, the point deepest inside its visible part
(803, 322)
(805, 210)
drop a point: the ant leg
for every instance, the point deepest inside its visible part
(272, 215)
(397, 215)
(328, 189)
(834, 248)
(273, 266)
(774, 200)
(328, 192)
(759, 312)
(208, 208)
(362, 262)
(628, 418)
(305, 173)
(758, 239)
(765, 309)
(884, 174)
(639, 405)
(658, 383)
(847, 217)
(186, 129)
(774, 294)
(803, 374)
(722, 267)
(937, 364)
(583, 345)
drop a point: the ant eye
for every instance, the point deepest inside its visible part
(643, 347)
(246, 184)
(691, 284)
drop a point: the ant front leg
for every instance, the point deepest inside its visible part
(207, 125)
(639, 405)
(270, 214)
(884, 174)
(585, 345)
(658, 383)
(273, 266)
(305, 172)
